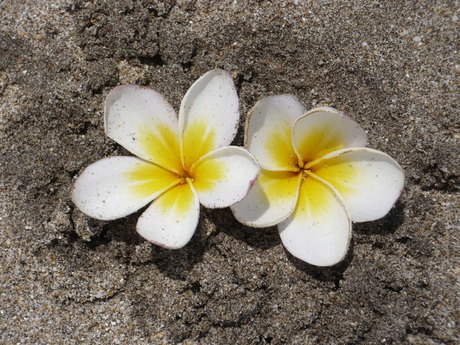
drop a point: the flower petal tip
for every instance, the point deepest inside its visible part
(344, 116)
(163, 245)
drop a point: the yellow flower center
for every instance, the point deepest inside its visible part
(305, 168)
(185, 179)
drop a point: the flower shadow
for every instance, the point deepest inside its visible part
(224, 221)
(173, 263)
(176, 263)
(324, 274)
(123, 229)
(383, 226)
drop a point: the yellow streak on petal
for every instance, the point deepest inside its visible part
(319, 141)
(279, 186)
(207, 174)
(149, 179)
(341, 173)
(178, 201)
(162, 145)
(315, 199)
(279, 147)
(198, 140)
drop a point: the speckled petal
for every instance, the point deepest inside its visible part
(117, 186)
(269, 132)
(224, 176)
(319, 229)
(323, 130)
(171, 220)
(369, 181)
(145, 124)
(270, 201)
(208, 116)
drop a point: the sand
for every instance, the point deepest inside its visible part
(68, 279)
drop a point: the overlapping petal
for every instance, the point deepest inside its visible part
(369, 181)
(270, 201)
(144, 123)
(208, 116)
(115, 187)
(172, 218)
(269, 132)
(323, 130)
(224, 176)
(319, 229)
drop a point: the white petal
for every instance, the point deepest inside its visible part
(171, 220)
(224, 176)
(117, 186)
(319, 229)
(369, 181)
(323, 130)
(270, 201)
(145, 124)
(208, 116)
(269, 132)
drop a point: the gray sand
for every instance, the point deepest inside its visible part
(68, 279)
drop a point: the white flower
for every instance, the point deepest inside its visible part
(182, 161)
(316, 178)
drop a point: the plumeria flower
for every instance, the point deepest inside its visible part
(317, 177)
(182, 161)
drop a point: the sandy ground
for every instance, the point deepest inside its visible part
(68, 279)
